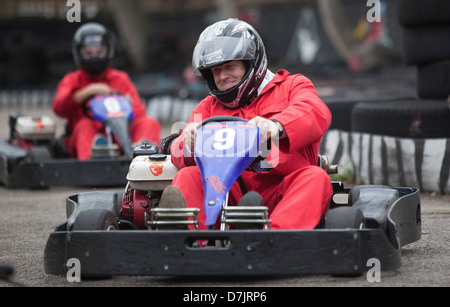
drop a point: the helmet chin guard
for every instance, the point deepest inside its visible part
(225, 41)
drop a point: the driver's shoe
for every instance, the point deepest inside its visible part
(250, 199)
(172, 198)
(99, 140)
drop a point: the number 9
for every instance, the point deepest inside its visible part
(224, 139)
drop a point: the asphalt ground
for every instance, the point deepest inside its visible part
(27, 217)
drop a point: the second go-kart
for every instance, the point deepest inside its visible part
(34, 157)
(127, 233)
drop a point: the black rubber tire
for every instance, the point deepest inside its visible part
(167, 142)
(433, 80)
(38, 154)
(344, 218)
(96, 219)
(408, 119)
(341, 115)
(426, 44)
(420, 12)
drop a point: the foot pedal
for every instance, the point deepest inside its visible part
(172, 218)
(247, 217)
(105, 151)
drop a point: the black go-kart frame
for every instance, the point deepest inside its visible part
(391, 222)
(20, 168)
(37, 161)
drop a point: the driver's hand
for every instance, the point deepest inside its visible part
(189, 135)
(93, 89)
(268, 128)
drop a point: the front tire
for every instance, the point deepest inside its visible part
(345, 218)
(96, 219)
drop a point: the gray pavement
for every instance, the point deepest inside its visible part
(28, 216)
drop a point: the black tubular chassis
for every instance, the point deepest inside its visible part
(248, 252)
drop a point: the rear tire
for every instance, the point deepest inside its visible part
(414, 13)
(433, 80)
(38, 154)
(405, 119)
(344, 218)
(427, 44)
(96, 219)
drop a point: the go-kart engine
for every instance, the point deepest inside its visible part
(137, 204)
(148, 175)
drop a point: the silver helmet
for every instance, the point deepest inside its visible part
(225, 41)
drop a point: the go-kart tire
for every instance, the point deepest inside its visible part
(433, 80)
(426, 44)
(96, 219)
(38, 154)
(418, 12)
(344, 218)
(406, 119)
(167, 142)
(341, 115)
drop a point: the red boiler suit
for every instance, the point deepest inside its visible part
(82, 129)
(297, 192)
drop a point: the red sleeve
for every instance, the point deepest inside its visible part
(179, 157)
(125, 86)
(63, 103)
(306, 118)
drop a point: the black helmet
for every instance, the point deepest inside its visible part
(93, 34)
(225, 41)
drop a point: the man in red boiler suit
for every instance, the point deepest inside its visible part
(231, 58)
(93, 49)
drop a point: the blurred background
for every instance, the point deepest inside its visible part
(381, 66)
(157, 37)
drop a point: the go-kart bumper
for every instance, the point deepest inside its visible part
(67, 172)
(247, 252)
(17, 172)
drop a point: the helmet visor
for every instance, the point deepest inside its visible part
(221, 49)
(93, 46)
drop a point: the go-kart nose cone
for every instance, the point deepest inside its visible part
(223, 150)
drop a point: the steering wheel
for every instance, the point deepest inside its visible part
(222, 118)
(265, 147)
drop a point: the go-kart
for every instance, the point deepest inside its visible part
(127, 233)
(34, 157)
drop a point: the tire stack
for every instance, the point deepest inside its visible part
(25, 62)
(406, 142)
(426, 39)
(426, 42)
